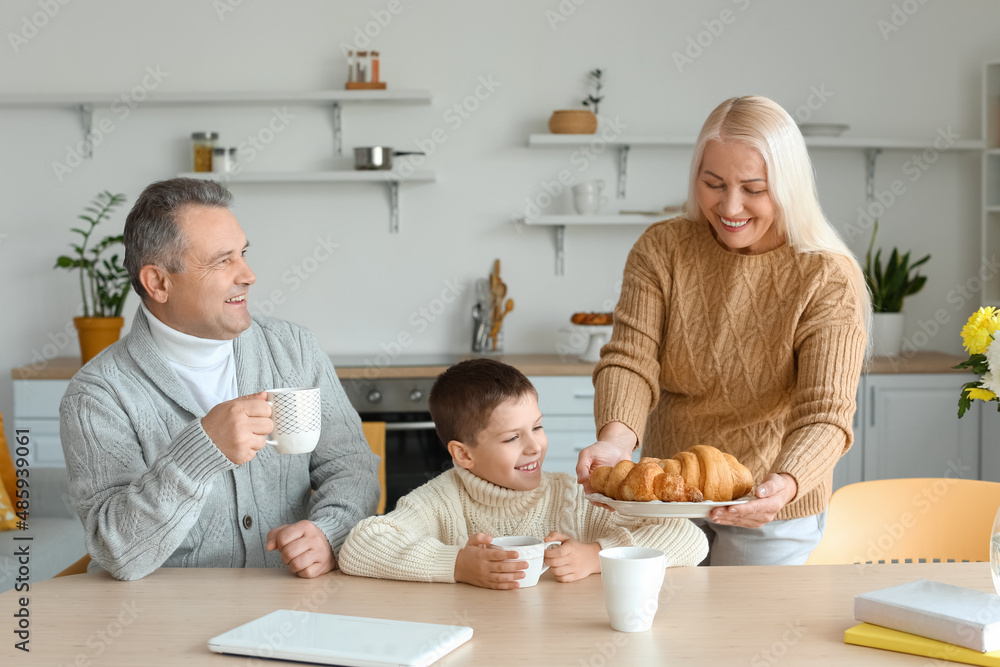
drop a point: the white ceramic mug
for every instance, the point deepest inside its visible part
(297, 416)
(632, 578)
(587, 197)
(530, 550)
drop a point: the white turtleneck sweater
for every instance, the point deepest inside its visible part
(205, 366)
(421, 538)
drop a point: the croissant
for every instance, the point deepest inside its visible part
(701, 473)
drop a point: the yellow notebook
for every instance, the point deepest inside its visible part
(876, 636)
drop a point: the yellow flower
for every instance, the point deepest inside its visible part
(981, 394)
(977, 333)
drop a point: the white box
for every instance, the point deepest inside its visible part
(944, 612)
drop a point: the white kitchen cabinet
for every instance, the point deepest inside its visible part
(36, 408)
(567, 405)
(911, 429)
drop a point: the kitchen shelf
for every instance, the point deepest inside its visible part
(872, 147)
(560, 222)
(85, 103)
(390, 178)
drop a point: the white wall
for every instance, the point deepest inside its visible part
(906, 83)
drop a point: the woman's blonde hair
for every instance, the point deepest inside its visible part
(763, 125)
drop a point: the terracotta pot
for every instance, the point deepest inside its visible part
(96, 333)
(573, 121)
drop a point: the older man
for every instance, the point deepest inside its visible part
(164, 432)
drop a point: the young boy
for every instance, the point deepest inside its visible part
(486, 412)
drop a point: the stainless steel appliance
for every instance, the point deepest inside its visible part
(413, 453)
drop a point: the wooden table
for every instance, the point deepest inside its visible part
(707, 616)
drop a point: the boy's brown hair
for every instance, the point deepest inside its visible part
(464, 396)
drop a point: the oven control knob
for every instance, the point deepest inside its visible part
(416, 395)
(374, 396)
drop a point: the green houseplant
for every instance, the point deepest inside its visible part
(889, 285)
(104, 282)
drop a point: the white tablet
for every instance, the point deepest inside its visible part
(327, 639)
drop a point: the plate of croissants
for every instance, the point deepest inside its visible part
(689, 485)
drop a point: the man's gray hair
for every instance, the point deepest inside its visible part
(152, 235)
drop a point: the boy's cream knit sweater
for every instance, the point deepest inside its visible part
(758, 355)
(421, 538)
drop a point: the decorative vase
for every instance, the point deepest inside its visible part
(995, 552)
(96, 333)
(573, 121)
(887, 334)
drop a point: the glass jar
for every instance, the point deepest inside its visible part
(374, 67)
(362, 72)
(223, 159)
(351, 78)
(202, 144)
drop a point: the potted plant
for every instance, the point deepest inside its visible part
(889, 285)
(580, 121)
(104, 282)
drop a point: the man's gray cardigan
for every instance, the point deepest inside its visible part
(153, 490)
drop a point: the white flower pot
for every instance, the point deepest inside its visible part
(887, 334)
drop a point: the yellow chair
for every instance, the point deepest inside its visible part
(375, 435)
(909, 520)
(79, 567)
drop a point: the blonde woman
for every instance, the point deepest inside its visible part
(742, 325)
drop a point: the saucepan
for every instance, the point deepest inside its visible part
(377, 157)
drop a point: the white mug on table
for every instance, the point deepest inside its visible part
(632, 578)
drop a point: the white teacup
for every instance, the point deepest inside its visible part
(297, 416)
(530, 550)
(632, 578)
(587, 197)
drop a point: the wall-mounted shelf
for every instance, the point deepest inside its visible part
(560, 222)
(390, 178)
(872, 147)
(85, 103)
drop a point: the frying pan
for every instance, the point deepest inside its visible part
(377, 157)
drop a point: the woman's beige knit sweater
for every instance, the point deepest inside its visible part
(421, 538)
(758, 355)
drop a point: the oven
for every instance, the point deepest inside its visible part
(413, 453)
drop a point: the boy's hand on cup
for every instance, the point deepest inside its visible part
(304, 548)
(238, 428)
(479, 565)
(572, 560)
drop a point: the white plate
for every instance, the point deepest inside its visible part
(823, 129)
(660, 509)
